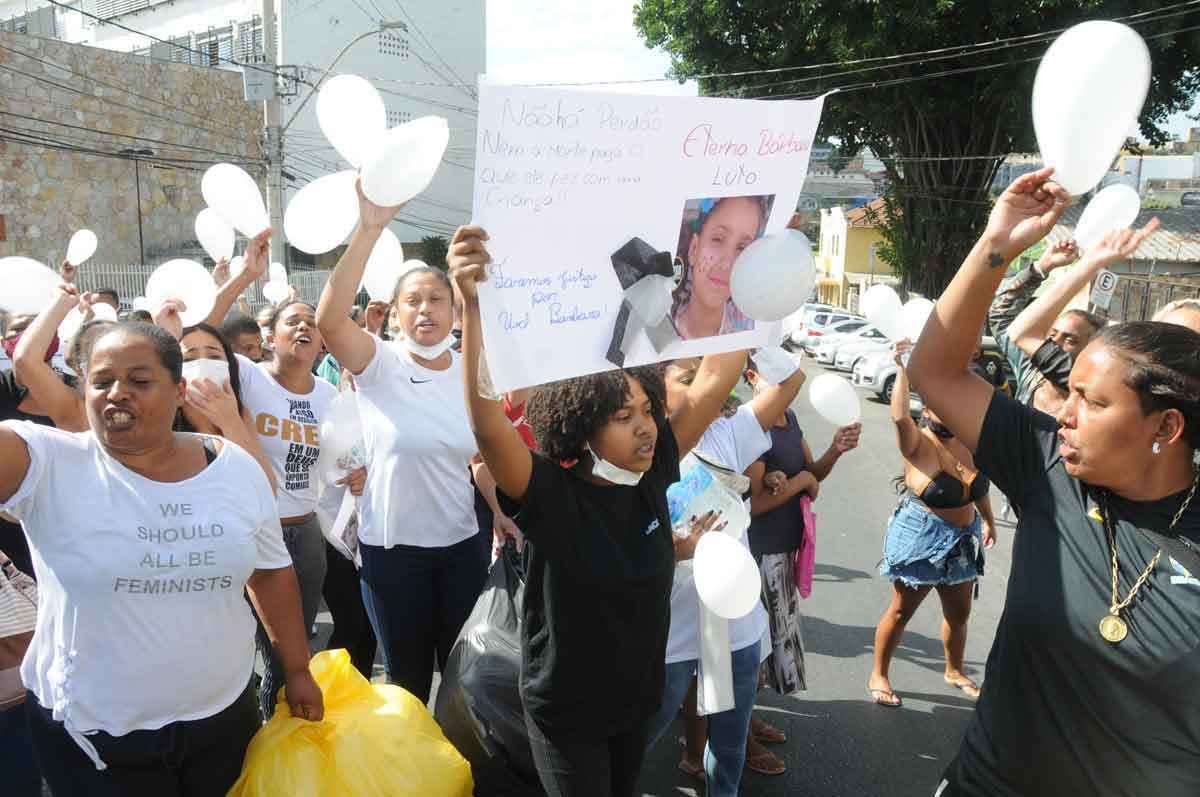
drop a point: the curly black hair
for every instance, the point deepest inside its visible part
(565, 415)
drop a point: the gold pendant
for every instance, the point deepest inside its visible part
(1113, 628)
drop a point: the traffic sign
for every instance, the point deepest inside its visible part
(1103, 288)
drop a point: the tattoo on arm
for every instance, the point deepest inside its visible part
(995, 260)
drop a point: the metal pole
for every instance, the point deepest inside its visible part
(273, 143)
(137, 179)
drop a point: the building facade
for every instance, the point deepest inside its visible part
(91, 138)
(848, 261)
(429, 66)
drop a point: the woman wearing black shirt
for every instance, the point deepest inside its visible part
(600, 550)
(1091, 682)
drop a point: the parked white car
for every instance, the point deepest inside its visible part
(819, 325)
(850, 353)
(876, 372)
(827, 347)
(831, 333)
(794, 324)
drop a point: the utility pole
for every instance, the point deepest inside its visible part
(273, 140)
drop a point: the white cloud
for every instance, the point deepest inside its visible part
(538, 41)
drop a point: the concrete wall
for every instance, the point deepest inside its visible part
(48, 190)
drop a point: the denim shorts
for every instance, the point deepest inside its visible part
(921, 549)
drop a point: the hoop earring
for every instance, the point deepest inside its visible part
(1156, 448)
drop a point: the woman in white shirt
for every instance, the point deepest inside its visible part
(286, 405)
(144, 541)
(422, 568)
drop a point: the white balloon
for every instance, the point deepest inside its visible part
(881, 305)
(214, 234)
(70, 324)
(773, 276)
(1113, 208)
(277, 273)
(384, 267)
(406, 161)
(352, 116)
(26, 286)
(322, 213)
(1087, 96)
(835, 399)
(187, 281)
(913, 316)
(276, 291)
(727, 579)
(81, 247)
(340, 438)
(236, 198)
(103, 312)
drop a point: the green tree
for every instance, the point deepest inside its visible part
(434, 249)
(938, 135)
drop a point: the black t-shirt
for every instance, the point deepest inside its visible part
(597, 607)
(1064, 712)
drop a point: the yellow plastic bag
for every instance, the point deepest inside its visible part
(376, 741)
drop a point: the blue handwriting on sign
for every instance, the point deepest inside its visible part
(571, 316)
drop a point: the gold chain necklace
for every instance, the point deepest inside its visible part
(1112, 627)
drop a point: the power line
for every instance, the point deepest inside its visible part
(108, 101)
(126, 28)
(172, 145)
(417, 28)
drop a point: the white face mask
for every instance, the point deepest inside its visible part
(428, 352)
(603, 469)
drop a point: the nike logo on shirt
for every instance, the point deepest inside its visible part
(416, 381)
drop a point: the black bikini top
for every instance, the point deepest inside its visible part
(955, 485)
(945, 491)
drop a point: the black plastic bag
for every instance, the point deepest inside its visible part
(479, 701)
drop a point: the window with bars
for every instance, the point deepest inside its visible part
(215, 46)
(106, 9)
(392, 44)
(249, 40)
(395, 118)
(181, 50)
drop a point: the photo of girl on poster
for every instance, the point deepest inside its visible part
(712, 235)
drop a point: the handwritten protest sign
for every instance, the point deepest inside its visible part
(616, 221)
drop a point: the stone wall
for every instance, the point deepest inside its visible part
(67, 111)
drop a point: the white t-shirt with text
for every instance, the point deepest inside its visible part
(287, 424)
(737, 443)
(142, 615)
(419, 442)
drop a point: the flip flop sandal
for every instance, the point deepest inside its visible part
(885, 698)
(968, 688)
(766, 763)
(768, 733)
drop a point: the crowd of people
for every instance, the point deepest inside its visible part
(164, 485)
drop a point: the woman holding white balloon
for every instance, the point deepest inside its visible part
(422, 568)
(599, 544)
(935, 539)
(1090, 679)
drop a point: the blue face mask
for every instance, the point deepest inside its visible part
(603, 469)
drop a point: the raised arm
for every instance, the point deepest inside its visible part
(1031, 327)
(1022, 216)
(770, 404)
(352, 346)
(255, 263)
(908, 436)
(61, 403)
(500, 445)
(715, 378)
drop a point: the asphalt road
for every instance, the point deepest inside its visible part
(840, 744)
